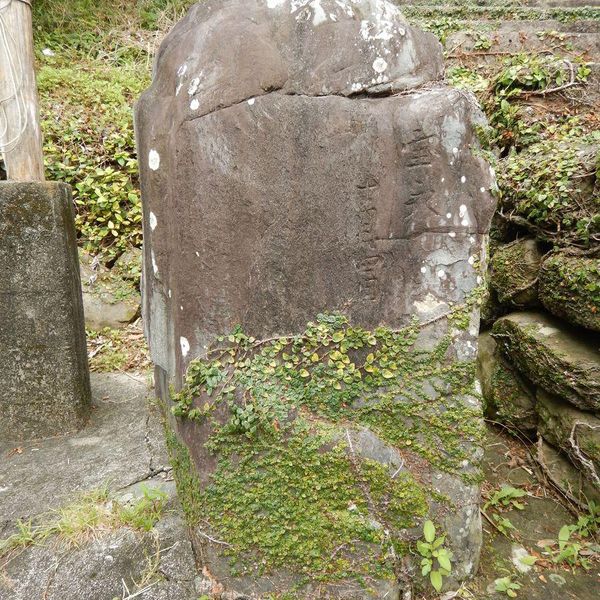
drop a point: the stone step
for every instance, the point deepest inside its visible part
(504, 12)
(528, 36)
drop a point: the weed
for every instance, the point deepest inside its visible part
(434, 554)
(506, 585)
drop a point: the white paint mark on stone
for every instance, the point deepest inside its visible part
(465, 222)
(154, 160)
(441, 274)
(479, 280)
(153, 221)
(251, 101)
(423, 270)
(443, 179)
(462, 211)
(185, 346)
(182, 70)
(170, 293)
(195, 104)
(455, 151)
(181, 308)
(483, 190)
(198, 254)
(452, 234)
(379, 65)
(463, 179)
(471, 260)
(448, 215)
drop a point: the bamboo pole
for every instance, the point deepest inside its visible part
(20, 135)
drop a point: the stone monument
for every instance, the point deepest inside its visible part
(43, 360)
(315, 220)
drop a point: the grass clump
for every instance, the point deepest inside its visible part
(95, 512)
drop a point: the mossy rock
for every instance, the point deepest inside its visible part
(514, 272)
(553, 356)
(108, 299)
(570, 288)
(559, 420)
(508, 399)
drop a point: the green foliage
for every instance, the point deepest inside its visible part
(434, 555)
(506, 585)
(146, 512)
(289, 487)
(376, 378)
(291, 501)
(89, 143)
(92, 512)
(186, 479)
(507, 497)
(540, 183)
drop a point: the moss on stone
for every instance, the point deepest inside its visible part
(186, 479)
(570, 288)
(552, 357)
(514, 272)
(292, 500)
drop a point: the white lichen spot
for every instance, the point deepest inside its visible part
(379, 65)
(452, 234)
(462, 211)
(443, 179)
(154, 160)
(428, 304)
(170, 293)
(471, 260)
(153, 221)
(198, 254)
(483, 190)
(195, 104)
(185, 346)
(441, 274)
(479, 279)
(423, 270)
(518, 553)
(251, 101)
(182, 70)
(194, 85)
(455, 151)
(180, 307)
(463, 179)
(356, 87)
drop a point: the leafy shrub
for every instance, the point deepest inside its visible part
(89, 143)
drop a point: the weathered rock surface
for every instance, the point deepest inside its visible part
(282, 180)
(570, 288)
(559, 423)
(122, 450)
(564, 475)
(560, 360)
(108, 299)
(44, 376)
(514, 272)
(508, 398)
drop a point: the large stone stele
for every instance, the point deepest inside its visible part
(298, 158)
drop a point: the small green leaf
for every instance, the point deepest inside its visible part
(429, 531)
(436, 580)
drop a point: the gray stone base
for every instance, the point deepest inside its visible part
(44, 376)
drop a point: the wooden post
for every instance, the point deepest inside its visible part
(19, 115)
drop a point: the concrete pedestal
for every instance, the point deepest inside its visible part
(44, 375)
